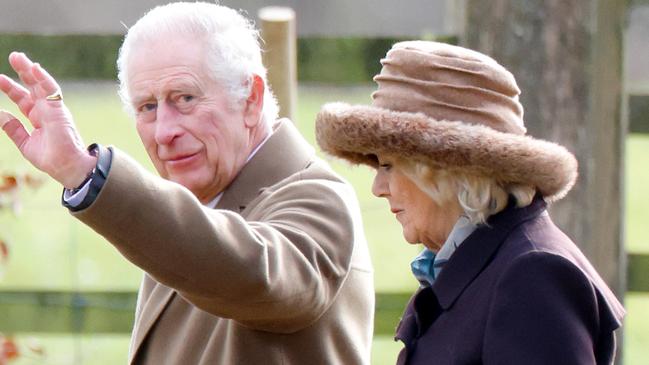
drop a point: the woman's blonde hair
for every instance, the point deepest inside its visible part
(480, 197)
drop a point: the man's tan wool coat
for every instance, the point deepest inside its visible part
(278, 273)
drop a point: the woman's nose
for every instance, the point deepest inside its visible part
(380, 185)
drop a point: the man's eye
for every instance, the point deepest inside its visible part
(385, 166)
(147, 107)
(186, 98)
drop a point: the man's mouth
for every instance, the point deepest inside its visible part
(179, 160)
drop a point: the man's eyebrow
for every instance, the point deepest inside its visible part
(171, 86)
(137, 99)
(182, 85)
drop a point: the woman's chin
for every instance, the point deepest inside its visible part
(411, 240)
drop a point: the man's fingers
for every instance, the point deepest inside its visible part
(46, 81)
(38, 82)
(17, 93)
(14, 129)
(19, 62)
(23, 67)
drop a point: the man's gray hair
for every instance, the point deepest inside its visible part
(234, 55)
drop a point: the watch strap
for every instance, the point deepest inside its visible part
(96, 178)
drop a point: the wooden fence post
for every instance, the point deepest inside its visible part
(567, 59)
(280, 55)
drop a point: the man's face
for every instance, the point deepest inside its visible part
(190, 128)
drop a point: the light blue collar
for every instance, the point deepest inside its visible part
(428, 264)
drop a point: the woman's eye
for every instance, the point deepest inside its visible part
(385, 166)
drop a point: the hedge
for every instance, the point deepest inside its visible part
(73, 57)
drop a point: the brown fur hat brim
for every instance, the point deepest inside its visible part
(355, 133)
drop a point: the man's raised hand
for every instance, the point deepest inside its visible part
(54, 145)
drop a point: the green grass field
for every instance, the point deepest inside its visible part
(50, 250)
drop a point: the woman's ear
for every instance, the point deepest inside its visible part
(254, 102)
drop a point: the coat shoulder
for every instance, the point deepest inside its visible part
(542, 258)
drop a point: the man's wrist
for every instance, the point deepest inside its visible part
(81, 174)
(93, 183)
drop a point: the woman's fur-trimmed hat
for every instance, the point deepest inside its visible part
(450, 108)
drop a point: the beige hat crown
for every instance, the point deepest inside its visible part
(453, 109)
(449, 83)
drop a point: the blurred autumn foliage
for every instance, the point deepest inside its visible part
(10, 185)
(8, 193)
(8, 349)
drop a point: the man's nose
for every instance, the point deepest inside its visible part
(167, 124)
(380, 185)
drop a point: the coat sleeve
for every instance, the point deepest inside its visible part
(545, 311)
(278, 272)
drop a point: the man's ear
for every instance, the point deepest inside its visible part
(255, 102)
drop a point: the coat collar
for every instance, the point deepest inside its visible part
(471, 257)
(283, 154)
(475, 253)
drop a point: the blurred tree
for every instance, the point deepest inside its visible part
(567, 59)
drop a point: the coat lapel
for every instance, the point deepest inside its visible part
(477, 250)
(422, 310)
(463, 267)
(283, 154)
(151, 309)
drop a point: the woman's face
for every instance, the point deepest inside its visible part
(422, 219)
